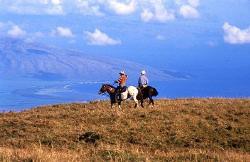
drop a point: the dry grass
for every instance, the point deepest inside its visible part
(175, 130)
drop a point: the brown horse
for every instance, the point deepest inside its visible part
(148, 92)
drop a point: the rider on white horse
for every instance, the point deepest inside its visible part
(122, 83)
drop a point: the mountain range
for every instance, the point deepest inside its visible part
(34, 60)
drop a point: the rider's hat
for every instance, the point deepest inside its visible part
(122, 73)
(143, 72)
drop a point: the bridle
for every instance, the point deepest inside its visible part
(108, 89)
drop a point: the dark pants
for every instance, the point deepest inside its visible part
(119, 92)
(141, 87)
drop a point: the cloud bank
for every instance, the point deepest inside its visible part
(235, 35)
(148, 10)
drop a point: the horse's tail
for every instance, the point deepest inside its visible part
(155, 92)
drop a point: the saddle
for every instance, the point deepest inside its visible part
(123, 89)
(121, 95)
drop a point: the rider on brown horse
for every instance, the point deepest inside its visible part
(122, 83)
(144, 89)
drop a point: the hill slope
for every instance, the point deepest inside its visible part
(19, 58)
(183, 129)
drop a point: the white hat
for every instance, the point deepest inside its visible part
(122, 72)
(143, 72)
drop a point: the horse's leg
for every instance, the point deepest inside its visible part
(136, 103)
(119, 104)
(139, 97)
(142, 103)
(151, 101)
(112, 100)
(135, 99)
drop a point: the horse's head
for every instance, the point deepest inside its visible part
(103, 89)
(106, 88)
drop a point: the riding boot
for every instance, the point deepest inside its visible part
(120, 97)
(117, 97)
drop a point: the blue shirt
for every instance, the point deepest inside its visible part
(143, 80)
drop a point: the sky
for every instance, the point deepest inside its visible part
(184, 35)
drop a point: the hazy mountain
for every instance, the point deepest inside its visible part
(22, 59)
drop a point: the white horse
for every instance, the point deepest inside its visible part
(131, 92)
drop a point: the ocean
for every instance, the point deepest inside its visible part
(20, 94)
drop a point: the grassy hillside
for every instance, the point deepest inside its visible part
(174, 130)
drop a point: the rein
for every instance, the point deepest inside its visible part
(105, 94)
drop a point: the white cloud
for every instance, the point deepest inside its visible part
(56, 2)
(235, 35)
(34, 7)
(149, 10)
(100, 38)
(10, 29)
(159, 13)
(88, 8)
(188, 8)
(16, 32)
(146, 15)
(122, 8)
(194, 3)
(162, 15)
(188, 11)
(63, 32)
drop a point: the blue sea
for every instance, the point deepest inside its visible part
(16, 95)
